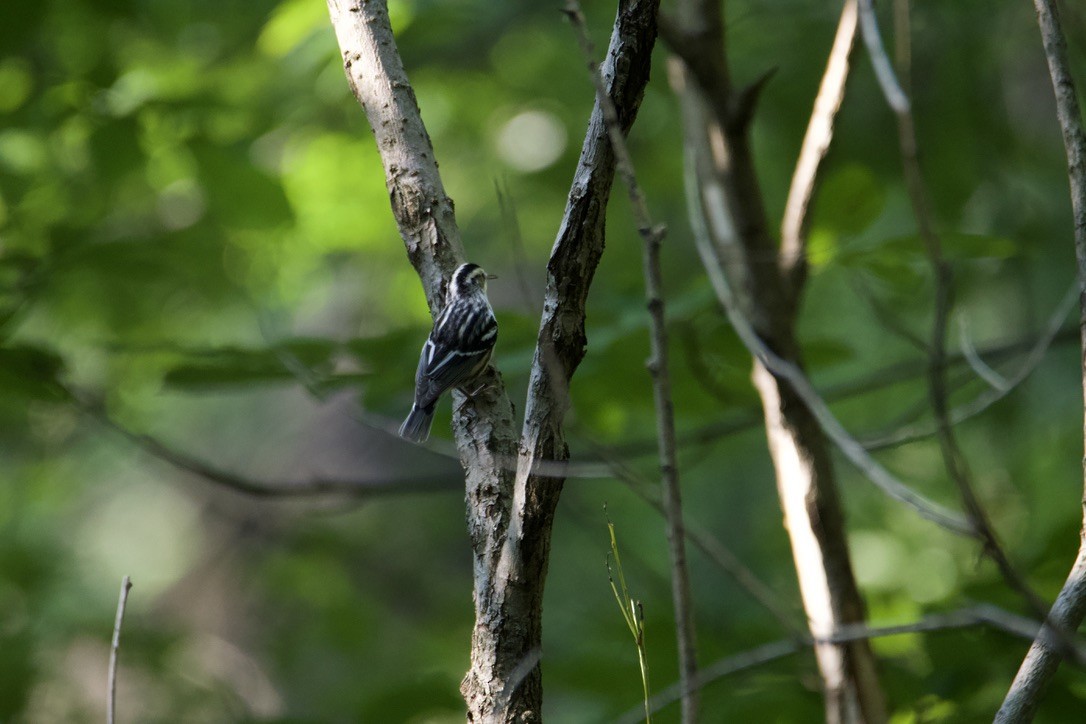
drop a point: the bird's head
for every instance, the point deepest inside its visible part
(468, 279)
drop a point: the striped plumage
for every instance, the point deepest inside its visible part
(457, 350)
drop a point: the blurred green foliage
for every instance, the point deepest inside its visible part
(195, 243)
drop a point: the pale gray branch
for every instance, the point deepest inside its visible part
(852, 449)
(983, 370)
(1067, 612)
(884, 69)
(114, 650)
(980, 615)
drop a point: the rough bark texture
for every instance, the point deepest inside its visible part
(1042, 660)
(513, 575)
(716, 122)
(509, 514)
(652, 236)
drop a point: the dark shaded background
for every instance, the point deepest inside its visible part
(196, 245)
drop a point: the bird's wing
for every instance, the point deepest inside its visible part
(454, 355)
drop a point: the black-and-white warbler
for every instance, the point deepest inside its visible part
(457, 350)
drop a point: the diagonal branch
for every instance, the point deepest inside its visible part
(954, 460)
(852, 449)
(720, 165)
(1067, 612)
(816, 144)
(985, 615)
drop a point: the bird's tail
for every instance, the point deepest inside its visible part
(416, 427)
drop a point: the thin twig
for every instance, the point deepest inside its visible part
(312, 487)
(714, 549)
(114, 648)
(980, 615)
(748, 418)
(1041, 662)
(852, 449)
(884, 69)
(983, 401)
(995, 380)
(816, 143)
(954, 459)
(652, 236)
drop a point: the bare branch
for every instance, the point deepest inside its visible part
(816, 143)
(1067, 612)
(852, 449)
(510, 571)
(114, 649)
(884, 69)
(313, 487)
(981, 615)
(720, 162)
(651, 237)
(985, 400)
(982, 369)
(954, 459)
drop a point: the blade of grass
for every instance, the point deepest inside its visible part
(632, 612)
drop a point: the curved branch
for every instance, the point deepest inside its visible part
(1067, 612)
(985, 615)
(954, 460)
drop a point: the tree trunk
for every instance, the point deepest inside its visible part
(729, 202)
(512, 489)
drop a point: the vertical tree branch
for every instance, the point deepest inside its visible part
(651, 237)
(516, 581)
(722, 166)
(424, 214)
(1042, 660)
(509, 515)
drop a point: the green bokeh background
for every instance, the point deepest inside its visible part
(196, 244)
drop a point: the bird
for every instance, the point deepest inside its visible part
(457, 350)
